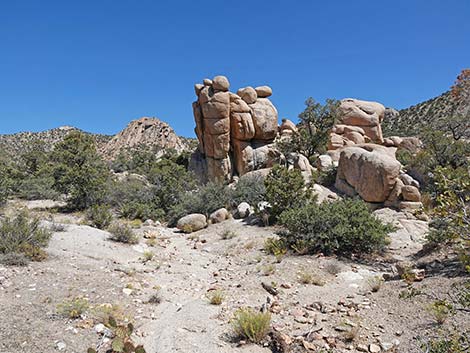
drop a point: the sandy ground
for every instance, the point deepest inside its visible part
(84, 263)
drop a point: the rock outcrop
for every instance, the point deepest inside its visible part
(235, 131)
(367, 165)
(144, 132)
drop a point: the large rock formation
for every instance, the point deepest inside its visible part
(235, 131)
(367, 165)
(360, 123)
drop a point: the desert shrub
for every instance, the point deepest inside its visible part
(249, 189)
(307, 277)
(100, 216)
(441, 310)
(205, 200)
(73, 308)
(37, 188)
(228, 234)
(79, 171)
(327, 177)
(122, 233)
(375, 283)
(251, 324)
(285, 190)
(24, 235)
(140, 210)
(275, 246)
(452, 343)
(343, 227)
(6, 179)
(216, 297)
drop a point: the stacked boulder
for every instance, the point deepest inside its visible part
(367, 165)
(235, 131)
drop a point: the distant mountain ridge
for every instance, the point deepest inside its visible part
(143, 132)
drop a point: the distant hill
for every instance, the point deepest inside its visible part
(412, 120)
(143, 132)
(16, 144)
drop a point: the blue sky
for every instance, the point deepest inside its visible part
(97, 64)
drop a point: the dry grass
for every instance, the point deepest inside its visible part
(251, 324)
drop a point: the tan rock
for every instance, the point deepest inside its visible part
(192, 222)
(248, 94)
(243, 156)
(242, 126)
(264, 119)
(287, 125)
(207, 82)
(354, 136)
(198, 88)
(369, 170)
(219, 216)
(220, 83)
(264, 91)
(411, 193)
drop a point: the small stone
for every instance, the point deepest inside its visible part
(373, 348)
(61, 346)
(361, 348)
(100, 328)
(127, 291)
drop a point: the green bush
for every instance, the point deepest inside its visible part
(79, 171)
(37, 188)
(122, 233)
(140, 210)
(342, 227)
(23, 235)
(100, 216)
(249, 189)
(205, 200)
(285, 190)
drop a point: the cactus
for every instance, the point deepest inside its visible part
(122, 341)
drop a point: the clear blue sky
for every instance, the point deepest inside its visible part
(97, 64)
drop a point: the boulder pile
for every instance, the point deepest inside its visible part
(235, 131)
(366, 161)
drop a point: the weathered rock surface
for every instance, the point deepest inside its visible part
(235, 131)
(143, 132)
(192, 222)
(219, 215)
(369, 170)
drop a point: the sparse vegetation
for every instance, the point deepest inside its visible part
(228, 234)
(23, 235)
(122, 233)
(275, 246)
(216, 297)
(375, 283)
(441, 310)
(100, 216)
(251, 324)
(307, 277)
(73, 308)
(121, 341)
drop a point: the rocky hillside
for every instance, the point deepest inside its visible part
(144, 132)
(411, 120)
(15, 144)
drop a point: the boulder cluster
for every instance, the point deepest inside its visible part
(235, 131)
(366, 161)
